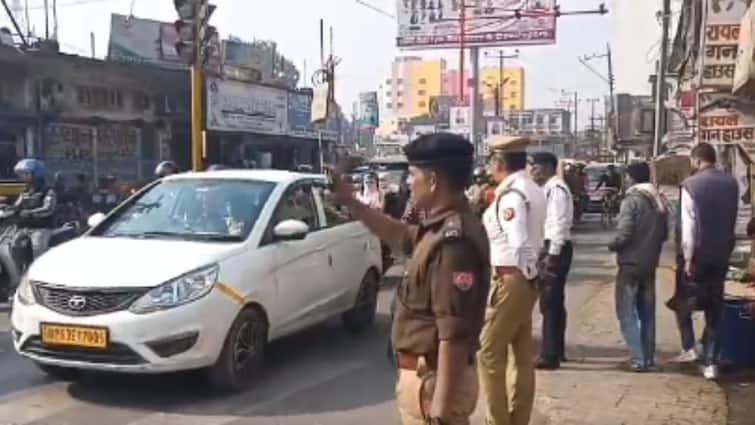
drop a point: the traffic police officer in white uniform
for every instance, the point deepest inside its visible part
(514, 222)
(556, 258)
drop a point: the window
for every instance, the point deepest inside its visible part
(399, 105)
(540, 119)
(191, 210)
(388, 105)
(512, 107)
(298, 204)
(423, 81)
(422, 104)
(99, 97)
(513, 83)
(388, 81)
(554, 119)
(422, 93)
(389, 93)
(141, 101)
(400, 81)
(512, 94)
(399, 94)
(335, 215)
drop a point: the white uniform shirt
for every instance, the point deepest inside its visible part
(559, 214)
(515, 225)
(689, 218)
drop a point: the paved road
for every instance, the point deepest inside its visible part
(321, 376)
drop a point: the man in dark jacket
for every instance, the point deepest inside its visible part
(710, 200)
(642, 230)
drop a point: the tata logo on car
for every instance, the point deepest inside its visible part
(77, 302)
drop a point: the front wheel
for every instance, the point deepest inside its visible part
(362, 314)
(243, 353)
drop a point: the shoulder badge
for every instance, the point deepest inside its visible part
(508, 214)
(452, 227)
(463, 280)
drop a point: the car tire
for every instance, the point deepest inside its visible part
(243, 353)
(362, 314)
(59, 373)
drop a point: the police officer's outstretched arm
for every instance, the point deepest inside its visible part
(388, 229)
(458, 295)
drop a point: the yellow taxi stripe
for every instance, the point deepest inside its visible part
(230, 292)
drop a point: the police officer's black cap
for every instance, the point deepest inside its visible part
(439, 148)
(545, 158)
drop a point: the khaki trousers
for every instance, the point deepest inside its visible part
(506, 356)
(414, 394)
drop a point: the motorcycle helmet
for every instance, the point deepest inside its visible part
(34, 168)
(165, 169)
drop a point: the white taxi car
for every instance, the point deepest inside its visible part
(198, 271)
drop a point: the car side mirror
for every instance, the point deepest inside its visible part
(95, 219)
(291, 230)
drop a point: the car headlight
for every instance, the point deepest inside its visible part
(182, 290)
(25, 292)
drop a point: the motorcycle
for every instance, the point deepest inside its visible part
(16, 249)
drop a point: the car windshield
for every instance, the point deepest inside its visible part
(196, 209)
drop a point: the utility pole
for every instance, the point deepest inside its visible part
(660, 82)
(611, 94)
(499, 95)
(194, 35)
(592, 103)
(462, 47)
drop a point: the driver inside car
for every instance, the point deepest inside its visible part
(36, 205)
(211, 216)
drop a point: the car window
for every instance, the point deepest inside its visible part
(298, 203)
(192, 209)
(334, 214)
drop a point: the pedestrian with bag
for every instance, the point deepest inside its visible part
(515, 221)
(709, 208)
(642, 229)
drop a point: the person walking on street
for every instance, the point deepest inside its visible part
(556, 258)
(642, 230)
(709, 204)
(441, 301)
(515, 222)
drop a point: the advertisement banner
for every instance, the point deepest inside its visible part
(720, 42)
(245, 108)
(460, 120)
(368, 109)
(143, 41)
(434, 24)
(300, 116)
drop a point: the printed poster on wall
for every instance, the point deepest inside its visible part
(245, 108)
(720, 41)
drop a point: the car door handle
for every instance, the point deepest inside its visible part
(330, 260)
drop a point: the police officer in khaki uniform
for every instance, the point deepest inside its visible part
(441, 301)
(514, 223)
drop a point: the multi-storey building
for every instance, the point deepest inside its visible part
(406, 92)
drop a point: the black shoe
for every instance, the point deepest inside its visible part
(546, 365)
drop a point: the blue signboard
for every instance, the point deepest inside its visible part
(299, 115)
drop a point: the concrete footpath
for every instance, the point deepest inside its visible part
(590, 389)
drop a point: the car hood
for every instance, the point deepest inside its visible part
(96, 262)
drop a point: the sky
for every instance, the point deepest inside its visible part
(364, 40)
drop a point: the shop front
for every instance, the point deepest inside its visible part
(259, 126)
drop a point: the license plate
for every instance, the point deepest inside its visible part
(76, 336)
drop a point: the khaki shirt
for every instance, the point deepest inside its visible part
(445, 287)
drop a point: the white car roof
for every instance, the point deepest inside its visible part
(273, 176)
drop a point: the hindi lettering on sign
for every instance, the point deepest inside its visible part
(724, 52)
(718, 71)
(716, 33)
(710, 135)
